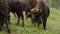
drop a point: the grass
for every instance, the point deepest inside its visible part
(53, 25)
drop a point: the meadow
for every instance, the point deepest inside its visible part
(52, 27)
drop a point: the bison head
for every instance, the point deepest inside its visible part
(34, 14)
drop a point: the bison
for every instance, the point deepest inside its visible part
(40, 13)
(18, 7)
(4, 14)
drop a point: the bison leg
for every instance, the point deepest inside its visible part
(14, 14)
(7, 25)
(44, 23)
(39, 22)
(22, 21)
(1, 24)
(18, 20)
(38, 25)
(7, 22)
(33, 23)
(0, 27)
(9, 19)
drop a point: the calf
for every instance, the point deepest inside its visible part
(40, 13)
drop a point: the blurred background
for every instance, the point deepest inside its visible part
(53, 3)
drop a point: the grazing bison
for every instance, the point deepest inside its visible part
(18, 7)
(40, 13)
(4, 14)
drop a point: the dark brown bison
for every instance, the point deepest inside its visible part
(4, 14)
(18, 7)
(40, 13)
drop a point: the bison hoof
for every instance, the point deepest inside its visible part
(0, 29)
(38, 28)
(9, 31)
(17, 24)
(22, 25)
(44, 28)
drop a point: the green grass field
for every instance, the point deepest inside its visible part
(53, 25)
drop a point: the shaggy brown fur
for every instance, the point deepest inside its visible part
(40, 13)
